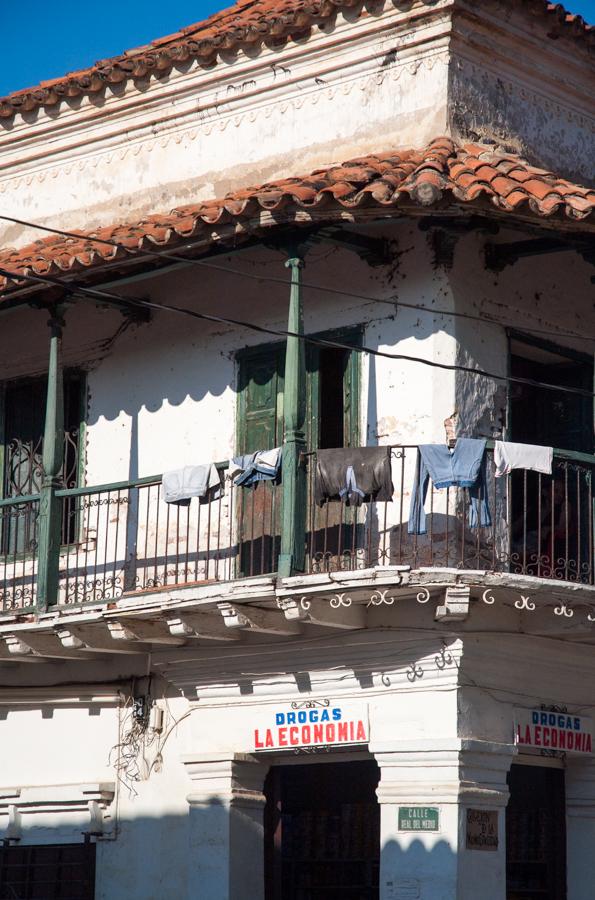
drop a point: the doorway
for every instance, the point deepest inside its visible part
(331, 420)
(536, 834)
(322, 832)
(546, 417)
(551, 515)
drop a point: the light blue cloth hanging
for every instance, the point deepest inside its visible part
(180, 485)
(351, 489)
(464, 467)
(263, 465)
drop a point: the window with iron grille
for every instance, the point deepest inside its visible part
(22, 422)
(48, 872)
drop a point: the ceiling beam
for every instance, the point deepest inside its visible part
(137, 629)
(320, 612)
(46, 645)
(498, 256)
(201, 625)
(251, 618)
(96, 638)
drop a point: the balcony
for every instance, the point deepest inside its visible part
(122, 540)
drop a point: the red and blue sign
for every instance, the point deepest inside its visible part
(547, 730)
(313, 724)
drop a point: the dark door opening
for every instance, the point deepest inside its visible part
(332, 365)
(542, 416)
(322, 832)
(22, 422)
(536, 834)
(550, 516)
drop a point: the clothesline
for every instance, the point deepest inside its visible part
(357, 475)
(204, 481)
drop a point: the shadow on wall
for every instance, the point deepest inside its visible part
(183, 857)
(149, 858)
(414, 870)
(176, 358)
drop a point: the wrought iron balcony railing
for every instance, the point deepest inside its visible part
(541, 525)
(121, 539)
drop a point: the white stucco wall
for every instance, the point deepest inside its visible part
(163, 394)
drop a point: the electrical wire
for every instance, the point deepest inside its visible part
(141, 303)
(174, 257)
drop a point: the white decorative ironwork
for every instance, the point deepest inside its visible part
(590, 617)
(524, 603)
(488, 597)
(423, 596)
(379, 597)
(285, 603)
(564, 610)
(414, 672)
(444, 659)
(340, 600)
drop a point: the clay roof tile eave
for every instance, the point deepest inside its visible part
(245, 22)
(325, 196)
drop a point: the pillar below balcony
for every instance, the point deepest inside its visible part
(226, 832)
(580, 828)
(455, 780)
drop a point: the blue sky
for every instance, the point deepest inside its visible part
(44, 39)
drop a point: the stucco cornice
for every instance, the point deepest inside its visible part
(246, 27)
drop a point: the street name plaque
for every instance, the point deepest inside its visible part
(419, 818)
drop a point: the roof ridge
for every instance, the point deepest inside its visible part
(245, 22)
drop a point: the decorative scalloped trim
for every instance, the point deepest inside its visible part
(245, 24)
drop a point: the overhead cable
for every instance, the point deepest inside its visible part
(140, 303)
(174, 257)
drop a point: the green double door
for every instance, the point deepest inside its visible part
(332, 419)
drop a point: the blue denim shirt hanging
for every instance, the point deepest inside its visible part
(263, 465)
(464, 467)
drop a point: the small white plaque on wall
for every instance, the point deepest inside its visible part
(402, 889)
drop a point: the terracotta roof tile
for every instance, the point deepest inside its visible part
(443, 172)
(245, 23)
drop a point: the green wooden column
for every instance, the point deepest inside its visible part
(293, 528)
(50, 507)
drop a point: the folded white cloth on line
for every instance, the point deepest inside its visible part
(508, 456)
(191, 481)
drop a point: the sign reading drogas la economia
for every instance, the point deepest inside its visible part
(318, 725)
(545, 730)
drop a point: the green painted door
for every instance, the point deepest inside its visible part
(332, 420)
(259, 427)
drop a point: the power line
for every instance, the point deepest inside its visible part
(138, 302)
(174, 257)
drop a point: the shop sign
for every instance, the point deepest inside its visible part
(482, 829)
(418, 818)
(546, 730)
(313, 723)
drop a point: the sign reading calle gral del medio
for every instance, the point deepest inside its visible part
(314, 723)
(547, 730)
